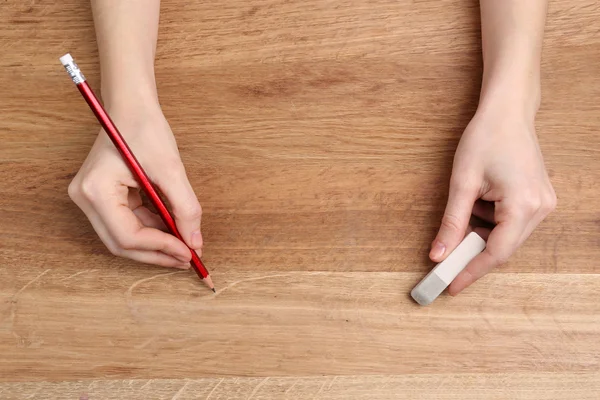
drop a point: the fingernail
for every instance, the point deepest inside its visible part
(184, 266)
(196, 240)
(437, 250)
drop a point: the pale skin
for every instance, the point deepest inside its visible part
(498, 173)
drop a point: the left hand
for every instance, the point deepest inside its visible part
(499, 176)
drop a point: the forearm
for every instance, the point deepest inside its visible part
(512, 33)
(126, 32)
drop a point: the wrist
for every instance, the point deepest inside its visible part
(130, 98)
(512, 85)
(132, 106)
(126, 87)
(511, 95)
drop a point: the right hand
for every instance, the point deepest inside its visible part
(108, 194)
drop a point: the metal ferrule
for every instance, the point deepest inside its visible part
(74, 72)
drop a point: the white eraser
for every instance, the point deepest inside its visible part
(66, 59)
(444, 273)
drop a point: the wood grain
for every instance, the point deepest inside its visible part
(319, 137)
(581, 386)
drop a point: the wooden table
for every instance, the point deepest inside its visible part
(319, 138)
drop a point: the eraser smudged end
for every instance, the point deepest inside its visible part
(66, 59)
(440, 277)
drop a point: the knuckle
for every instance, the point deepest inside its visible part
(463, 183)
(192, 211)
(499, 258)
(87, 189)
(531, 203)
(173, 167)
(163, 245)
(510, 212)
(74, 191)
(125, 242)
(115, 250)
(451, 222)
(502, 259)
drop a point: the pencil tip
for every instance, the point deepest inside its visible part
(213, 289)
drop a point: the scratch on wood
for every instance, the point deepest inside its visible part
(257, 388)
(332, 382)
(292, 386)
(15, 300)
(147, 383)
(320, 390)
(337, 55)
(570, 338)
(259, 278)
(77, 273)
(214, 388)
(129, 292)
(441, 384)
(145, 344)
(32, 395)
(480, 309)
(29, 283)
(398, 316)
(537, 349)
(385, 382)
(176, 396)
(527, 312)
(139, 282)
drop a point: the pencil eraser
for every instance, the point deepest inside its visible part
(66, 59)
(438, 279)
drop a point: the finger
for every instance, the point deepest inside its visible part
(146, 256)
(543, 205)
(152, 239)
(106, 206)
(149, 219)
(128, 233)
(156, 258)
(484, 210)
(101, 230)
(186, 208)
(535, 220)
(454, 222)
(484, 233)
(502, 242)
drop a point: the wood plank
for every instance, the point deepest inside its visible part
(134, 322)
(549, 386)
(319, 136)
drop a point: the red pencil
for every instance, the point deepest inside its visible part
(130, 160)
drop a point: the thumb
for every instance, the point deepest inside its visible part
(185, 206)
(455, 220)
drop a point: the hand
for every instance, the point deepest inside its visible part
(499, 177)
(108, 194)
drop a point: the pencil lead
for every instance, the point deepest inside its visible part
(213, 289)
